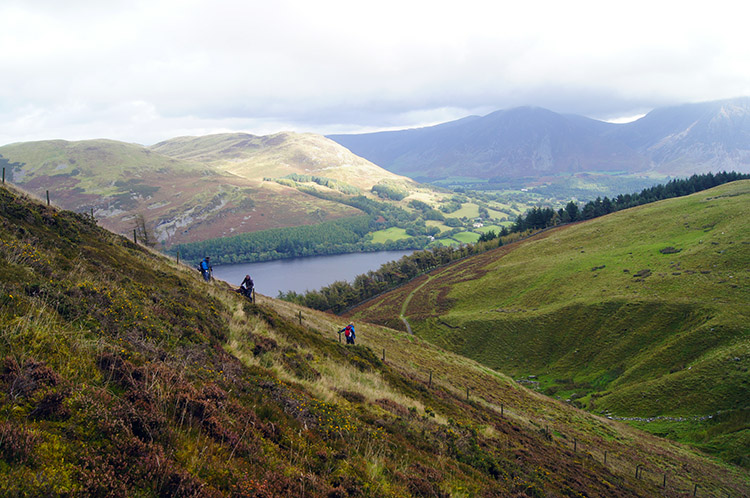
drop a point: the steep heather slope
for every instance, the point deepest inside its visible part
(182, 200)
(123, 374)
(641, 313)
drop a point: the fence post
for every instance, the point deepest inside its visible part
(300, 315)
(430, 378)
(695, 490)
(253, 296)
(467, 393)
(637, 469)
(605, 457)
(383, 354)
(664, 484)
(575, 444)
(135, 237)
(178, 256)
(92, 214)
(3, 176)
(48, 197)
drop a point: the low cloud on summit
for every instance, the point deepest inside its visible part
(151, 70)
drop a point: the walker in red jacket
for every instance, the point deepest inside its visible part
(349, 333)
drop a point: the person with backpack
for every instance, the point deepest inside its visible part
(246, 287)
(205, 268)
(349, 333)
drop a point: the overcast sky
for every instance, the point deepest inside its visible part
(145, 71)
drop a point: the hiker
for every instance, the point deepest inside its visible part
(205, 268)
(246, 287)
(349, 333)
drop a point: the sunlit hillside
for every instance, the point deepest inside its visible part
(279, 155)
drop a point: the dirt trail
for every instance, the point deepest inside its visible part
(402, 316)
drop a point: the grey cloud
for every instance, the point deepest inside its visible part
(151, 68)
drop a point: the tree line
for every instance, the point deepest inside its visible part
(345, 235)
(294, 179)
(543, 217)
(341, 295)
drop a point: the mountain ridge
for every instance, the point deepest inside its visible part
(532, 142)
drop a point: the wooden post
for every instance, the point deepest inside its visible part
(605, 457)
(92, 214)
(3, 176)
(383, 354)
(48, 197)
(695, 490)
(253, 296)
(575, 445)
(135, 237)
(502, 410)
(637, 469)
(664, 484)
(300, 315)
(178, 256)
(430, 378)
(467, 393)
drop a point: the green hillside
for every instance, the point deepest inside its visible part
(123, 374)
(181, 200)
(641, 313)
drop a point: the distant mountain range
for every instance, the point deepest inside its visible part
(531, 142)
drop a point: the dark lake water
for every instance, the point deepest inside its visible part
(301, 274)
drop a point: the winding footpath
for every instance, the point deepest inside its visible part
(402, 316)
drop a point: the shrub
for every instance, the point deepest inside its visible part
(17, 443)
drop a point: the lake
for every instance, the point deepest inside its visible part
(302, 274)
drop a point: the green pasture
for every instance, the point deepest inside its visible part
(440, 225)
(466, 237)
(487, 228)
(392, 233)
(446, 242)
(468, 210)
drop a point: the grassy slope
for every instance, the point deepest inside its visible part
(597, 312)
(124, 374)
(278, 155)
